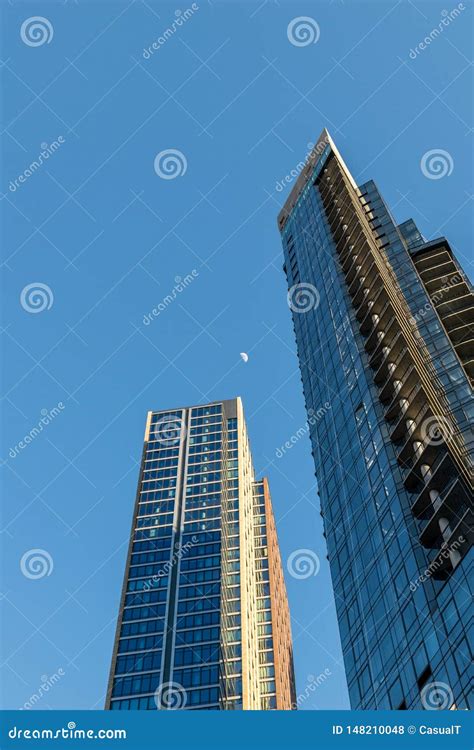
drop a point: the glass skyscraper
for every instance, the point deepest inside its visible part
(204, 620)
(384, 325)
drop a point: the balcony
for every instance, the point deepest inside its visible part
(456, 320)
(428, 455)
(406, 452)
(426, 260)
(364, 314)
(442, 280)
(461, 539)
(443, 474)
(359, 245)
(438, 271)
(410, 389)
(386, 323)
(454, 298)
(347, 220)
(453, 505)
(416, 412)
(465, 349)
(383, 377)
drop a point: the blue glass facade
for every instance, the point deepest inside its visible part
(393, 512)
(189, 623)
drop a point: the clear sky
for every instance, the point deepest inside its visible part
(108, 236)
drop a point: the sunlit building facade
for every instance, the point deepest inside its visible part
(204, 620)
(384, 325)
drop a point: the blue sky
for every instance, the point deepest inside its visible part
(109, 237)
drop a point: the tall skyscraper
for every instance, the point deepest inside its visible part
(384, 324)
(204, 620)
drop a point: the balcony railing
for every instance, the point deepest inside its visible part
(443, 474)
(453, 503)
(460, 540)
